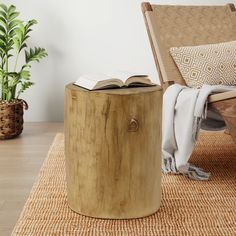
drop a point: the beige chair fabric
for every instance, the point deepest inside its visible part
(175, 26)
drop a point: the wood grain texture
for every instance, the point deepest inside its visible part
(222, 96)
(113, 151)
(227, 109)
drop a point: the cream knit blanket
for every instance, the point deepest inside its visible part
(184, 112)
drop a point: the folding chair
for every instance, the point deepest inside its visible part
(174, 26)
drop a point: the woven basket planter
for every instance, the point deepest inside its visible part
(11, 118)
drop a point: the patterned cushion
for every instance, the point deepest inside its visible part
(207, 64)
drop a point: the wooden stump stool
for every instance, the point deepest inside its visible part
(113, 151)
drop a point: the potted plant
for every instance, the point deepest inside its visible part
(14, 34)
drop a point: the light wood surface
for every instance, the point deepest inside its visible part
(222, 96)
(20, 161)
(113, 151)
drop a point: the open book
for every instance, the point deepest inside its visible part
(113, 80)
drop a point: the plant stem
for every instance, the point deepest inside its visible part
(2, 78)
(2, 88)
(14, 88)
(17, 56)
(6, 75)
(6, 82)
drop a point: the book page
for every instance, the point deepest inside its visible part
(139, 81)
(123, 75)
(119, 78)
(90, 81)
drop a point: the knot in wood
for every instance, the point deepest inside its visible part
(133, 125)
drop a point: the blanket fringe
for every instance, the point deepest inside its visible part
(195, 173)
(189, 170)
(168, 165)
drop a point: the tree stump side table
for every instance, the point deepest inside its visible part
(113, 151)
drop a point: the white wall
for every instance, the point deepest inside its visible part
(84, 36)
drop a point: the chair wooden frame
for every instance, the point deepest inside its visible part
(171, 26)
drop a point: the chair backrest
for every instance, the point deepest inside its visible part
(173, 26)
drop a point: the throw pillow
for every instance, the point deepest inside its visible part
(206, 64)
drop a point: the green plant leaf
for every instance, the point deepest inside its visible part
(14, 23)
(30, 23)
(18, 39)
(35, 54)
(24, 86)
(24, 45)
(17, 44)
(9, 95)
(14, 34)
(12, 74)
(3, 14)
(10, 42)
(2, 73)
(11, 9)
(13, 15)
(3, 30)
(13, 80)
(3, 48)
(3, 21)
(26, 66)
(3, 39)
(25, 74)
(21, 36)
(4, 7)
(8, 48)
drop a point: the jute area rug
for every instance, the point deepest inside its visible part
(188, 207)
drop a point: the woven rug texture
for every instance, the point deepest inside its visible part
(188, 207)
